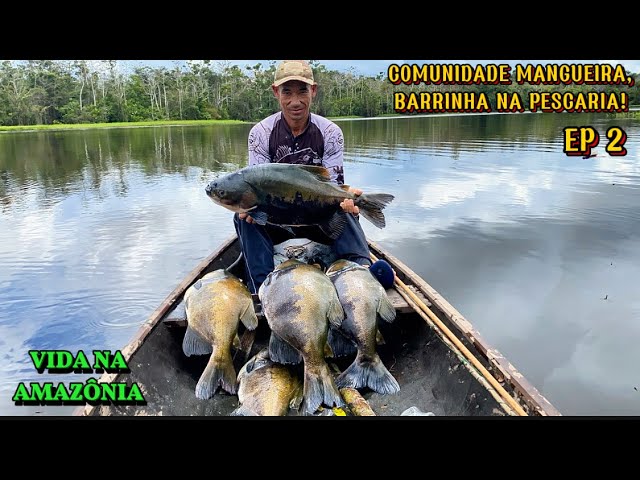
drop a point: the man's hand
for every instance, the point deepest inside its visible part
(246, 216)
(348, 205)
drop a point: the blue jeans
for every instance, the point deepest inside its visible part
(257, 243)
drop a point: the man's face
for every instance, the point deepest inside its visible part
(295, 99)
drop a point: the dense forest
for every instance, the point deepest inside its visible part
(44, 92)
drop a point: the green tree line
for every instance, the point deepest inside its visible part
(45, 92)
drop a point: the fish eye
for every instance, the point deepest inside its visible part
(221, 193)
(250, 366)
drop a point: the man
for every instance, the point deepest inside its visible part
(295, 135)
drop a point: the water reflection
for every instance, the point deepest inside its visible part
(535, 248)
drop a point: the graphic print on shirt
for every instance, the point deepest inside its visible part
(339, 171)
(306, 156)
(321, 143)
(258, 150)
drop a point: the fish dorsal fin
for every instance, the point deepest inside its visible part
(320, 172)
(297, 399)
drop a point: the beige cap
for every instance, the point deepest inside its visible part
(293, 70)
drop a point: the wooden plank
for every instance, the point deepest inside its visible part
(399, 303)
(177, 317)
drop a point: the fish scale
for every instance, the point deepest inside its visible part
(214, 306)
(294, 195)
(299, 303)
(364, 300)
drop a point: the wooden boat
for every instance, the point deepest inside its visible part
(440, 360)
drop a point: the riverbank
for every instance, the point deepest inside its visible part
(634, 111)
(86, 126)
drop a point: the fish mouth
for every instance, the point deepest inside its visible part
(230, 204)
(260, 360)
(217, 200)
(210, 189)
(229, 196)
(224, 201)
(340, 266)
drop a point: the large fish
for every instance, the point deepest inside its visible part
(364, 300)
(267, 388)
(215, 305)
(293, 195)
(299, 303)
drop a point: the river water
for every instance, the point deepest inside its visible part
(537, 249)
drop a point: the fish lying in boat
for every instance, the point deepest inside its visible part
(300, 302)
(267, 388)
(215, 305)
(294, 195)
(364, 300)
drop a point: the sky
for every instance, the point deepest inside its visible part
(374, 67)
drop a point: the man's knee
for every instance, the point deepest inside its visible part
(364, 261)
(236, 224)
(245, 229)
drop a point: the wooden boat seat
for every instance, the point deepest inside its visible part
(178, 316)
(302, 249)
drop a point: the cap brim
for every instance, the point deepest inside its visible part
(293, 77)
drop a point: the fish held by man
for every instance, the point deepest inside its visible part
(267, 388)
(300, 302)
(364, 300)
(215, 305)
(294, 195)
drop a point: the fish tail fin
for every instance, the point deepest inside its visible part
(371, 206)
(368, 372)
(340, 345)
(328, 351)
(298, 398)
(243, 411)
(319, 388)
(281, 352)
(194, 344)
(219, 372)
(386, 310)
